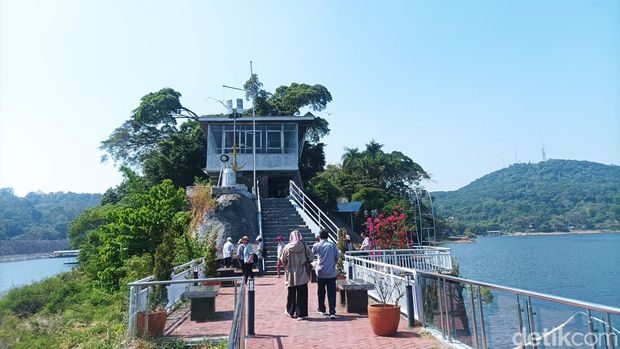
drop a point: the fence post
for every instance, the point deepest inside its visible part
(251, 308)
(410, 314)
(133, 310)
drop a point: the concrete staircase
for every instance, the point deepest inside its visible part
(280, 218)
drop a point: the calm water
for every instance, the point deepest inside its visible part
(25, 272)
(583, 267)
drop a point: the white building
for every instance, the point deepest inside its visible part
(279, 142)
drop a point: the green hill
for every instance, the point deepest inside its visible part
(554, 195)
(40, 216)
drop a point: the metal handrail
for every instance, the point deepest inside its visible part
(236, 338)
(321, 219)
(538, 295)
(187, 281)
(513, 290)
(416, 248)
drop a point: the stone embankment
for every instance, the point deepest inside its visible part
(11, 250)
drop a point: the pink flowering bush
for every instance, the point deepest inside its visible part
(390, 232)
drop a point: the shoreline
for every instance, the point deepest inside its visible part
(573, 232)
(24, 257)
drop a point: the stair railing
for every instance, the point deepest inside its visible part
(313, 211)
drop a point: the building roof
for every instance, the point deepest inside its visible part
(349, 207)
(226, 119)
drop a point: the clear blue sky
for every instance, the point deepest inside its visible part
(456, 85)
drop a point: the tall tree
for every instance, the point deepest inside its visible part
(153, 121)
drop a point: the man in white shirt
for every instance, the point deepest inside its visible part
(227, 252)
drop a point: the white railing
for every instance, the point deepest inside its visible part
(175, 291)
(375, 272)
(421, 258)
(137, 305)
(313, 211)
(450, 307)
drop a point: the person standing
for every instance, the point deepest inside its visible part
(348, 243)
(260, 253)
(239, 256)
(366, 243)
(279, 251)
(295, 258)
(248, 259)
(326, 273)
(227, 252)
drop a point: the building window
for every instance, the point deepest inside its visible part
(274, 142)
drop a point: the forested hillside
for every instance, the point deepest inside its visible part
(554, 195)
(39, 216)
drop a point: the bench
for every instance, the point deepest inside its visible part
(202, 300)
(354, 294)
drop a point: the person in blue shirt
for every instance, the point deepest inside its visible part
(328, 255)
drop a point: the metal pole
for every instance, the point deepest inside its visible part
(133, 309)
(521, 329)
(610, 338)
(482, 329)
(591, 329)
(251, 308)
(235, 282)
(253, 136)
(530, 318)
(410, 314)
(448, 308)
(351, 270)
(473, 315)
(145, 329)
(439, 298)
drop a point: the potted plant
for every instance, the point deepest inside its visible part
(162, 270)
(342, 247)
(384, 317)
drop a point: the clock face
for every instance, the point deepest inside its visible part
(224, 158)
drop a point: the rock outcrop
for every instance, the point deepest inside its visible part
(234, 216)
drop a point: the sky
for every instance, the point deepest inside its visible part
(464, 88)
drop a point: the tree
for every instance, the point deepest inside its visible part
(312, 161)
(180, 157)
(153, 121)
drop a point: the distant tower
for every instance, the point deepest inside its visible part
(544, 155)
(516, 157)
(503, 163)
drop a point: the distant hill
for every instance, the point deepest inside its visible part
(554, 195)
(39, 216)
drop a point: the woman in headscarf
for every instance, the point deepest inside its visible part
(295, 259)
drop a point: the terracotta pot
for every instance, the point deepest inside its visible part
(341, 277)
(384, 318)
(156, 325)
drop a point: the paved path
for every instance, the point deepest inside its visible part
(275, 330)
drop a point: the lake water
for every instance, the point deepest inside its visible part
(20, 273)
(584, 267)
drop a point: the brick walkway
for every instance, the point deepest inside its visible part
(275, 330)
